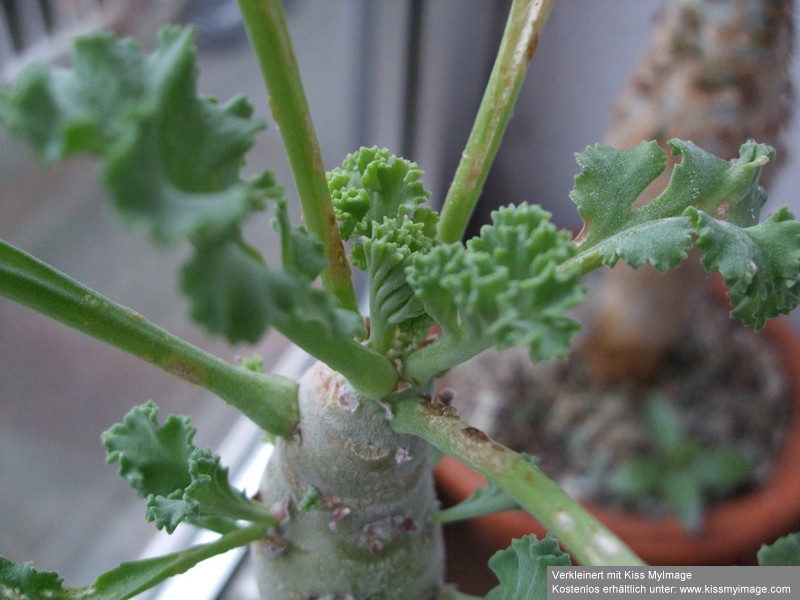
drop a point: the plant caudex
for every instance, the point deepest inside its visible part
(347, 502)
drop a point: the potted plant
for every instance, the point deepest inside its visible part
(714, 71)
(347, 507)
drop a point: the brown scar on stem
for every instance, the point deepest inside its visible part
(184, 370)
(475, 434)
(531, 49)
(439, 410)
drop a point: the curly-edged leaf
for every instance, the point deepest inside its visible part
(659, 233)
(229, 288)
(180, 481)
(522, 568)
(24, 582)
(504, 288)
(172, 158)
(386, 255)
(783, 552)
(301, 252)
(209, 500)
(233, 292)
(760, 264)
(125, 581)
(152, 457)
(372, 184)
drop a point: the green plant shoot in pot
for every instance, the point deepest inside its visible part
(680, 470)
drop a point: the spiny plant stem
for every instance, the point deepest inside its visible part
(269, 400)
(269, 35)
(587, 539)
(520, 38)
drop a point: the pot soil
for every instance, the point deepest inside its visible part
(730, 385)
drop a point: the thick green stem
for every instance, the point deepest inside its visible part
(269, 400)
(269, 36)
(445, 353)
(369, 372)
(520, 38)
(587, 539)
(355, 499)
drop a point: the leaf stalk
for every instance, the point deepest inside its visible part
(266, 26)
(520, 38)
(269, 400)
(587, 539)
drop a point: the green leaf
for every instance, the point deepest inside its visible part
(760, 264)
(660, 233)
(125, 581)
(372, 184)
(522, 568)
(152, 457)
(171, 161)
(229, 289)
(24, 582)
(393, 304)
(209, 500)
(784, 552)
(664, 428)
(140, 114)
(609, 183)
(637, 477)
(180, 481)
(233, 291)
(505, 288)
(685, 497)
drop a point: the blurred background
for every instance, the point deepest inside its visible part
(405, 74)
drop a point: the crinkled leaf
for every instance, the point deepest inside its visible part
(386, 255)
(228, 286)
(760, 264)
(784, 552)
(301, 252)
(522, 568)
(504, 288)
(125, 581)
(725, 189)
(372, 184)
(172, 158)
(180, 481)
(209, 500)
(659, 233)
(152, 457)
(233, 292)
(172, 161)
(23, 582)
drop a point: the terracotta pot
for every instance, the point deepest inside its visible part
(731, 532)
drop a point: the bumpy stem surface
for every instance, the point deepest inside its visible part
(355, 500)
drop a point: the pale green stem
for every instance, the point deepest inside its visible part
(269, 400)
(269, 35)
(520, 38)
(434, 359)
(132, 578)
(369, 372)
(587, 539)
